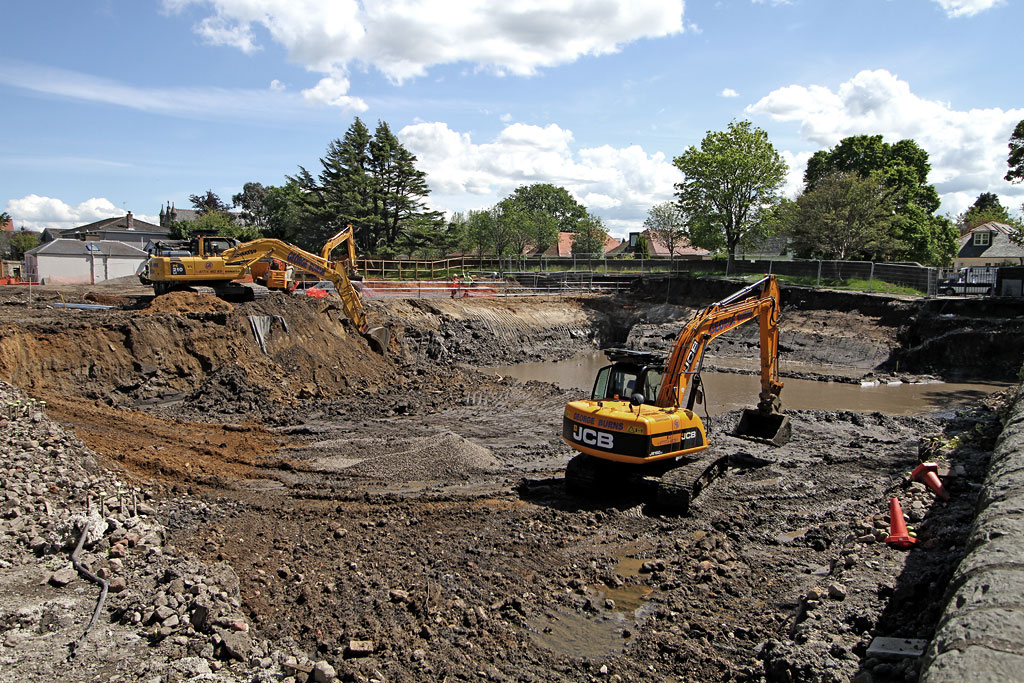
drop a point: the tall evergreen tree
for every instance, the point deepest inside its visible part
(400, 190)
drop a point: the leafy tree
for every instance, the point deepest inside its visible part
(209, 201)
(252, 200)
(214, 222)
(21, 241)
(286, 214)
(986, 207)
(903, 170)
(479, 232)
(643, 248)
(1015, 160)
(667, 224)
(729, 184)
(4, 217)
(846, 216)
(590, 237)
(551, 210)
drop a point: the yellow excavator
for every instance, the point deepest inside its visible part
(217, 264)
(639, 425)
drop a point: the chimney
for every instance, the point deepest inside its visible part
(7, 225)
(128, 221)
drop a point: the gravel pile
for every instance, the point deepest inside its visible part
(161, 617)
(442, 457)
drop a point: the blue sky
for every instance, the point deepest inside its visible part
(118, 105)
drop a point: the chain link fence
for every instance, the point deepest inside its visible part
(582, 272)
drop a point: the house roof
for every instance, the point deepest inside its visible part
(115, 224)
(657, 247)
(1000, 245)
(563, 247)
(76, 247)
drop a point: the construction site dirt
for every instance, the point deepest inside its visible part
(403, 516)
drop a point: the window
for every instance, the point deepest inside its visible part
(981, 238)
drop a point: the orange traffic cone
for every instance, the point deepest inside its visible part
(898, 535)
(927, 473)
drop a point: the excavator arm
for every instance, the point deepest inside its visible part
(244, 255)
(761, 301)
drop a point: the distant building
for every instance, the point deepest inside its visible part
(170, 214)
(66, 261)
(563, 246)
(657, 248)
(126, 229)
(989, 244)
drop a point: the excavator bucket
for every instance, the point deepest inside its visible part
(379, 338)
(772, 428)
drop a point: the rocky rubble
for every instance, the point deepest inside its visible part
(166, 617)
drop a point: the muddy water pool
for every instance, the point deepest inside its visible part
(725, 391)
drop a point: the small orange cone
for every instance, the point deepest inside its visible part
(898, 535)
(927, 473)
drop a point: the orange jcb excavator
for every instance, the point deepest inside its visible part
(639, 426)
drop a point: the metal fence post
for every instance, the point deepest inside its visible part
(819, 273)
(871, 278)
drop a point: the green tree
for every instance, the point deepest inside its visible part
(729, 184)
(400, 189)
(252, 200)
(215, 223)
(666, 222)
(21, 241)
(208, 201)
(4, 217)
(1015, 160)
(986, 208)
(479, 232)
(643, 248)
(372, 183)
(550, 208)
(590, 237)
(846, 216)
(287, 214)
(902, 168)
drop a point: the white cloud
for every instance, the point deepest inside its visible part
(966, 8)
(202, 103)
(619, 184)
(38, 213)
(728, 92)
(404, 39)
(967, 149)
(331, 91)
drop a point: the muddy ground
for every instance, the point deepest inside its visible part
(404, 518)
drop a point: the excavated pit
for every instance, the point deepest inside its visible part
(420, 499)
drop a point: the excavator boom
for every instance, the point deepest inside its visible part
(244, 255)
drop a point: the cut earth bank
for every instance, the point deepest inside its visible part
(403, 518)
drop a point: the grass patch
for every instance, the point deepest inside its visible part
(851, 284)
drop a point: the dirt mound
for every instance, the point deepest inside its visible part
(107, 299)
(444, 456)
(188, 302)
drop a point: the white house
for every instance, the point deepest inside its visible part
(989, 244)
(77, 262)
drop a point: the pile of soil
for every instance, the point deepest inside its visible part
(187, 302)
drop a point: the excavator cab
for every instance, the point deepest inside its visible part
(631, 373)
